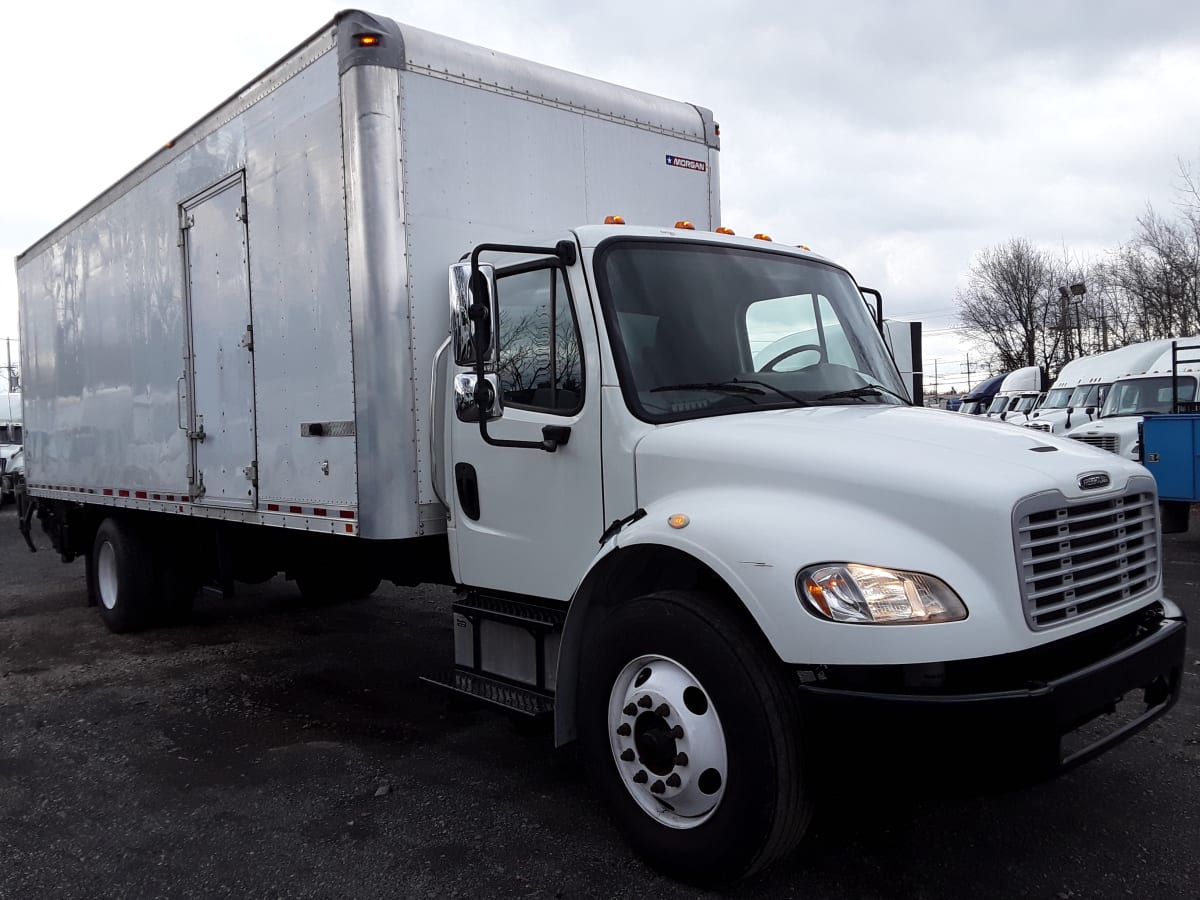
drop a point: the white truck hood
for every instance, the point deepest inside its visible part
(766, 493)
(861, 452)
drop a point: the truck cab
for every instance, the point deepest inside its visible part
(1159, 390)
(978, 400)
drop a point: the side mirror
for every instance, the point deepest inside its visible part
(472, 312)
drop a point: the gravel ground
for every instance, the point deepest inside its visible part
(273, 750)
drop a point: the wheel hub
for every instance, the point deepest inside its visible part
(667, 741)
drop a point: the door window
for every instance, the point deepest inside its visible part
(540, 361)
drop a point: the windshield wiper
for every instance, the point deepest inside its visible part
(738, 386)
(867, 390)
(726, 387)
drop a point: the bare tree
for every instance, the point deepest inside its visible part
(1010, 306)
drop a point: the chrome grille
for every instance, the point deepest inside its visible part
(1039, 426)
(1103, 441)
(1079, 557)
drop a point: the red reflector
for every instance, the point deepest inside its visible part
(108, 492)
(346, 513)
(349, 529)
(171, 497)
(158, 496)
(295, 509)
(141, 495)
(122, 493)
(272, 507)
(317, 511)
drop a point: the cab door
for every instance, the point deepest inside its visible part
(525, 520)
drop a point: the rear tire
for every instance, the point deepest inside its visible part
(691, 729)
(121, 570)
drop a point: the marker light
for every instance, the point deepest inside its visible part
(684, 223)
(724, 230)
(614, 220)
(869, 595)
(679, 520)
(762, 237)
(804, 247)
(367, 40)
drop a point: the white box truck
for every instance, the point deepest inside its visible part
(362, 321)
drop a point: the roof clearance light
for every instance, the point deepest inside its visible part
(724, 230)
(762, 237)
(614, 220)
(805, 247)
(684, 223)
(367, 40)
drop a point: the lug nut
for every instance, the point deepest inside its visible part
(627, 755)
(681, 759)
(630, 710)
(673, 780)
(677, 732)
(645, 702)
(663, 711)
(624, 730)
(658, 787)
(641, 777)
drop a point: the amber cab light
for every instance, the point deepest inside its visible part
(724, 230)
(614, 220)
(762, 237)
(684, 223)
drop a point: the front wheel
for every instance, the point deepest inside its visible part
(691, 729)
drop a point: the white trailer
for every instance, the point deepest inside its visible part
(361, 322)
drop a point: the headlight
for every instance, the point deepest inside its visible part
(849, 592)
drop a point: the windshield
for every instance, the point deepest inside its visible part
(1025, 404)
(1088, 395)
(1058, 398)
(704, 329)
(971, 407)
(1147, 396)
(999, 404)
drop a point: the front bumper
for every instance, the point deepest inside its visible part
(1047, 709)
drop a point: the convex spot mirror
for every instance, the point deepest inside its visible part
(466, 322)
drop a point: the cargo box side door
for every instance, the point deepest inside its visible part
(220, 369)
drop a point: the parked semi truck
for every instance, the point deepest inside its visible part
(1078, 393)
(363, 322)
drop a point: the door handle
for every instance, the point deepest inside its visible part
(179, 392)
(555, 436)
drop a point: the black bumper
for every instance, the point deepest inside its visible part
(1053, 707)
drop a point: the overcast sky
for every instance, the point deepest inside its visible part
(898, 138)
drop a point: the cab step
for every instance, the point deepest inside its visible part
(522, 700)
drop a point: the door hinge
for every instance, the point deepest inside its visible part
(186, 221)
(251, 473)
(247, 340)
(242, 213)
(198, 491)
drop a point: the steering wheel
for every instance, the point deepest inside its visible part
(792, 351)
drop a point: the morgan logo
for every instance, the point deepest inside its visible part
(1093, 481)
(683, 163)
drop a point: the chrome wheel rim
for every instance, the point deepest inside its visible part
(667, 741)
(106, 575)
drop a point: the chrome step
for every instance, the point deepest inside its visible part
(522, 700)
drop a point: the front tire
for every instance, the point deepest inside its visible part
(691, 729)
(121, 567)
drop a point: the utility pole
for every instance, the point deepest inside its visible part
(936, 392)
(12, 378)
(968, 369)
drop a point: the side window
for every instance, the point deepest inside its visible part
(541, 364)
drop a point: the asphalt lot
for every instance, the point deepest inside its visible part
(273, 750)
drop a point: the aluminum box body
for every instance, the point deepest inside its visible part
(244, 326)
